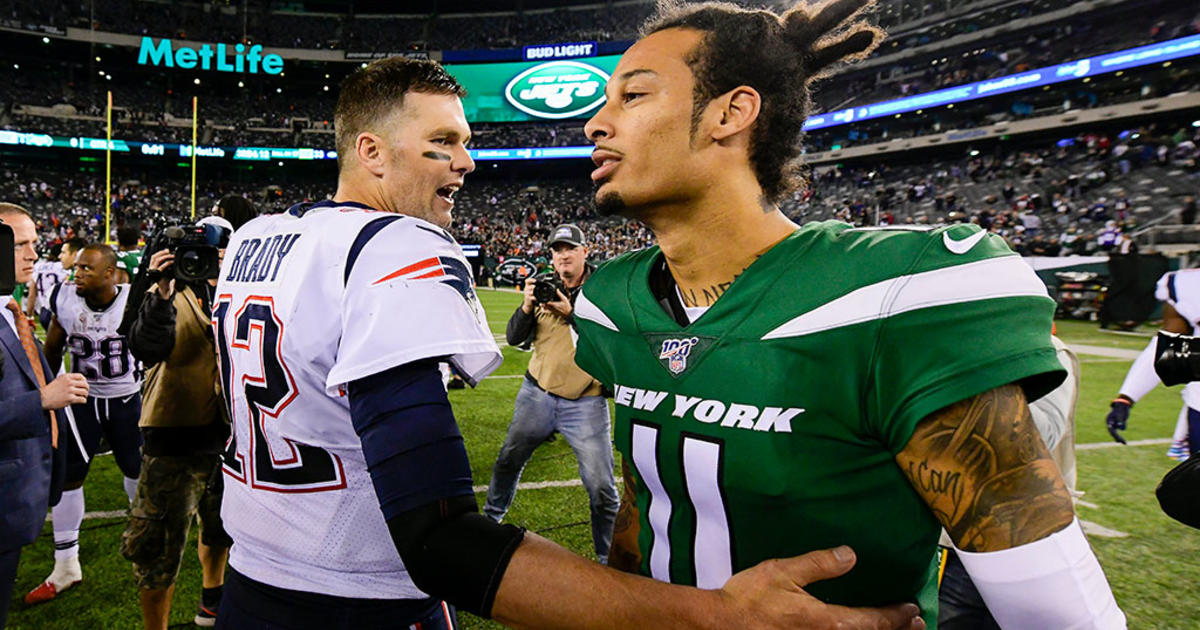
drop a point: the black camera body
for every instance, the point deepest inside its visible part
(195, 248)
(546, 288)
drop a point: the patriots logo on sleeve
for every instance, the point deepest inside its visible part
(445, 269)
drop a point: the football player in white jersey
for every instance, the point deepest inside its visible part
(1179, 291)
(48, 273)
(85, 320)
(345, 450)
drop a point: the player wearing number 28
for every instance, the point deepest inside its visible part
(781, 389)
(84, 320)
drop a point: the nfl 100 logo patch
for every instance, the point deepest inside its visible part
(676, 352)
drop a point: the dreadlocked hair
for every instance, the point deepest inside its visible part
(780, 56)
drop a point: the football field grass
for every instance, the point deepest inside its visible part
(1151, 560)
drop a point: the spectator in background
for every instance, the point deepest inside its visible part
(557, 396)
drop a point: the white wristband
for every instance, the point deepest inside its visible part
(1054, 583)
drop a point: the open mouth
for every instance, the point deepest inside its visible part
(446, 193)
(606, 162)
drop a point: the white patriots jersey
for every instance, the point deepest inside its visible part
(47, 275)
(97, 351)
(1181, 289)
(306, 303)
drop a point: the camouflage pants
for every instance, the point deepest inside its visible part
(171, 491)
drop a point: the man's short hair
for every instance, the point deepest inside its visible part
(106, 252)
(11, 209)
(373, 93)
(76, 244)
(128, 236)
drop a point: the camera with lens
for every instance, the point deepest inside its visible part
(546, 288)
(195, 247)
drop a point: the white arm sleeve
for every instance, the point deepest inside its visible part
(1054, 583)
(1141, 377)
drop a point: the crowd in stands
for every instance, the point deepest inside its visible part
(1083, 195)
(263, 118)
(1009, 53)
(915, 22)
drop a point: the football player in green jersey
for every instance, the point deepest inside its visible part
(781, 389)
(129, 257)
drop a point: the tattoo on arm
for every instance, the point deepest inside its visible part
(435, 155)
(984, 471)
(624, 553)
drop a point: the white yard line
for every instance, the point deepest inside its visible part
(1096, 445)
(1102, 351)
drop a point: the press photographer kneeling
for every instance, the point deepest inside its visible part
(556, 395)
(183, 423)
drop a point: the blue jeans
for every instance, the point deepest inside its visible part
(584, 424)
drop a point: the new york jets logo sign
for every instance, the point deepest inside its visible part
(558, 89)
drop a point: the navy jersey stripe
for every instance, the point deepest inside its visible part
(364, 236)
(1171, 289)
(440, 232)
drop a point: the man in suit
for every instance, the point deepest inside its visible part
(31, 467)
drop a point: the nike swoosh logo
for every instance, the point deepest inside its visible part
(965, 245)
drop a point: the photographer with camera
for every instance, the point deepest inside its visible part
(183, 422)
(557, 396)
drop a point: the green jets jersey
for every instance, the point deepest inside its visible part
(129, 262)
(768, 427)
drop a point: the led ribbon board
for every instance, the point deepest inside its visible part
(1070, 71)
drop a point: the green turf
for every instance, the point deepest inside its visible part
(1153, 571)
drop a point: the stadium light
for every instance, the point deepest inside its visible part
(196, 80)
(279, 90)
(101, 73)
(45, 40)
(108, 77)
(1196, 123)
(97, 59)
(16, 66)
(240, 84)
(326, 88)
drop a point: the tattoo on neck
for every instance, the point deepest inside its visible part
(434, 155)
(708, 296)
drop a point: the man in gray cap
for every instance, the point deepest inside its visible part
(557, 396)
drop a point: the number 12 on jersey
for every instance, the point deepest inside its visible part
(252, 364)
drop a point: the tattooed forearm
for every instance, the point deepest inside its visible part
(623, 553)
(985, 473)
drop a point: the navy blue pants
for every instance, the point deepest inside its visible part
(247, 604)
(116, 419)
(9, 559)
(960, 606)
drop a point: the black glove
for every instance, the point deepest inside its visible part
(1118, 418)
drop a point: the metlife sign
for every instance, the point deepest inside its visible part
(526, 91)
(244, 59)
